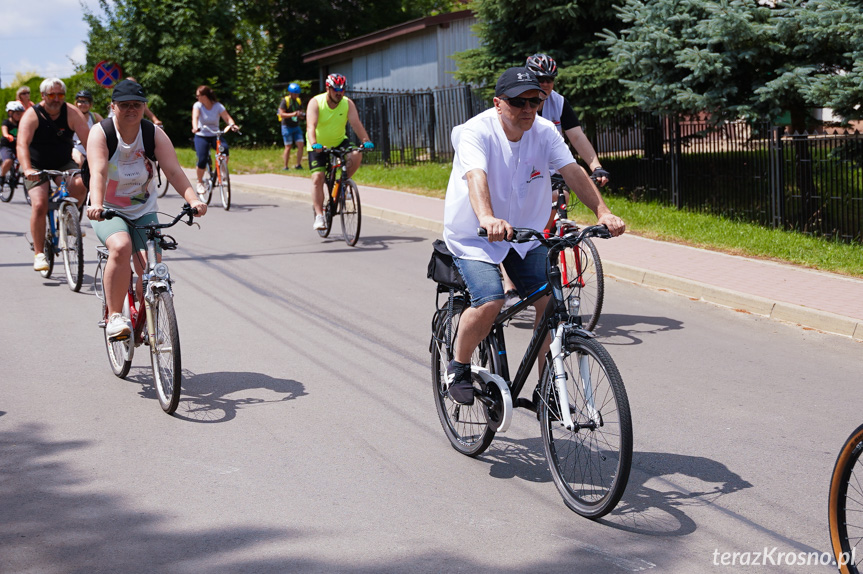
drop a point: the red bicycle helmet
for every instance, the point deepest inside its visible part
(542, 65)
(336, 81)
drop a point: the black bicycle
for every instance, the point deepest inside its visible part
(845, 506)
(581, 402)
(13, 179)
(343, 197)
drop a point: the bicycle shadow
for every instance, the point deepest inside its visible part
(364, 244)
(209, 397)
(248, 207)
(662, 486)
(619, 330)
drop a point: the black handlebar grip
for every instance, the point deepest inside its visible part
(481, 232)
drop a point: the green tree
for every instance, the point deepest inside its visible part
(170, 47)
(510, 31)
(257, 101)
(739, 58)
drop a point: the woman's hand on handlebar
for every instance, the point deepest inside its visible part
(94, 212)
(497, 229)
(199, 208)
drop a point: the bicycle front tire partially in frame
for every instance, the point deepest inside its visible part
(165, 351)
(845, 506)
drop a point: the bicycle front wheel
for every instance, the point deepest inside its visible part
(119, 352)
(72, 246)
(328, 212)
(845, 510)
(225, 184)
(48, 249)
(466, 427)
(589, 464)
(165, 352)
(351, 214)
(583, 283)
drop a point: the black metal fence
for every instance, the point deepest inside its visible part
(811, 183)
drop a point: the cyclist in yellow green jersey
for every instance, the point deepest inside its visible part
(327, 116)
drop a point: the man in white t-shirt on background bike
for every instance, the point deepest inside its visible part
(501, 179)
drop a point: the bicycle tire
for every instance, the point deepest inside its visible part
(583, 282)
(48, 249)
(351, 212)
(225, 184)
(165, 351)
(72, 246)
(590, 466)
(466, 427)
(120, 353)
(162, 184)
(328, 212)
(7, 188)
(845, 505)
(209, 178)
(27, 197)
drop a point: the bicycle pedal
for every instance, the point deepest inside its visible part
(118, 338)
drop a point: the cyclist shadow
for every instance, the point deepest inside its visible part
(517, 458)
(217, 397)
(366, 244)
(246, 206)
(615, 329)
(662, 486)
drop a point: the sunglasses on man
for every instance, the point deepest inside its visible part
(521, 102)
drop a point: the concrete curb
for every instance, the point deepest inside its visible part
(776, 310)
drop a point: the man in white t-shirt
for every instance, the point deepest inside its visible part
(500, 180)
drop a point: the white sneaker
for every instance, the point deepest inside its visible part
(118, 327)
(40, 262)
(320, 222)
(202, 189)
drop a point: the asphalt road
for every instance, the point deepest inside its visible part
(307, 439)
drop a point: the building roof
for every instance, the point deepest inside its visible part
(384, 35)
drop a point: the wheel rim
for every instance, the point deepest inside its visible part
(590, 466)
(351, 213)
(846, 507)
(73, 255)
(165, 353)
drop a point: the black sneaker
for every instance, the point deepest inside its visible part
(460, 388)
(298, 166)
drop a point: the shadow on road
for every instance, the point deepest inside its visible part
(216, 397)
(615, 329)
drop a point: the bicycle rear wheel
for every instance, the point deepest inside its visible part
(162, 184)
(351, 214)
(7, 188)
(119, 352)
(72, 246)
(225, 184)
(583, 283)
(165, 351)
(466, 427)
(590, 465)
(845, 508)
(27, 196)
(48, 249)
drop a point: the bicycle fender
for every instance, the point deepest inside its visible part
(491, 379)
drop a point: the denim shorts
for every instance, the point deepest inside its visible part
(485, 282)
(292, 135)
(203, 144)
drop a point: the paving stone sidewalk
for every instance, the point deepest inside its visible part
(814, 299)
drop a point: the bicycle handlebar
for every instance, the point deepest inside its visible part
(54, 172)
(186, 211)
(571, 239)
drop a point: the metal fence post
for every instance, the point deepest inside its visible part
(676, 153)
(777, 184)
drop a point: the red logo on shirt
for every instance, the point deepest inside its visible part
(534, 174)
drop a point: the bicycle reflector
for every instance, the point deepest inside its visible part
(160, 270)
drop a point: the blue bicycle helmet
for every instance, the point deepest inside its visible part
(294, 88)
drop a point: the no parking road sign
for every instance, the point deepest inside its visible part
(107, 73)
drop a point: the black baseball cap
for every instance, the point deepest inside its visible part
(128, 91)
(516, 81)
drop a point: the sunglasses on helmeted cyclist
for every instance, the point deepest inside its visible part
(521, 102)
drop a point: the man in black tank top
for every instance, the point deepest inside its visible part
(45, 142)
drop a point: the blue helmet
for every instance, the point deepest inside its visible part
(294, 88)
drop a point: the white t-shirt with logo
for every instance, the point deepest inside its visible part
(130, 188)
(518, 181)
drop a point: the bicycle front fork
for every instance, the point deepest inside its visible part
(560, 376)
